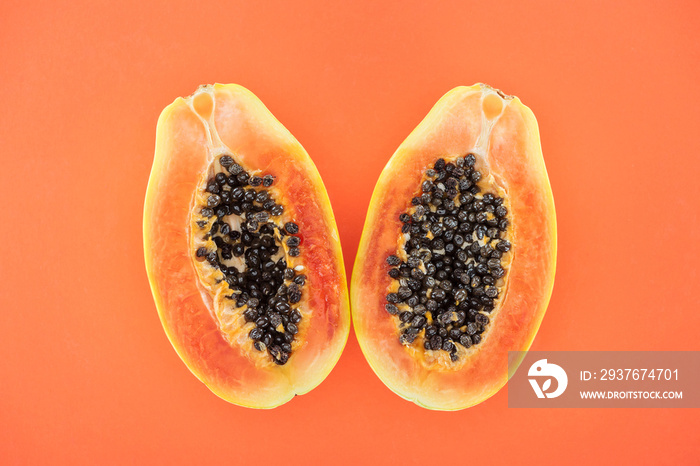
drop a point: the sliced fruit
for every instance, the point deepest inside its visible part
(242, 250)
(456, 262)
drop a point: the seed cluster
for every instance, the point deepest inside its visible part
(455, 242)
(268, 287)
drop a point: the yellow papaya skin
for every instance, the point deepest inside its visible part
(504, 135)
(185, 307)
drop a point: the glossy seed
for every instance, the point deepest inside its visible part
(391, 309)
(393, 260)
(291, 228)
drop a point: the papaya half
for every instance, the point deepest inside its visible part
(456, 262)
(242, 250)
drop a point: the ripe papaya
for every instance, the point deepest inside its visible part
(242, 250)
(457, 257)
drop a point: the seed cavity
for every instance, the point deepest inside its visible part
(448, 275)
(251, 247)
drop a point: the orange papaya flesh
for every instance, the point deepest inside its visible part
(220, 148)
(504, 314)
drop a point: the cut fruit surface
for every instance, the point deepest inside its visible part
(242, 250)
(457, 257)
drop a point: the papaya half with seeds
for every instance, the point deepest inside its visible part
(456, 262)
(242, 250)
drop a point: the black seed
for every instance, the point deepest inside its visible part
(277, 210)
(413, 262)
(404, 292)
(431, 305)
(407, 338)
(243, 178)
(201, 252)
(465, 341)
(293, 241)
(262, 217)
(448, 346)
(469, 160)
(291, 228)
(212, 187)
(391, 309)
(256, 333)
(213, 200)
(286, 348)
(413, 284)
(503, 246)
(393, 260)
(436, 341)
(226, 161)
(234, 168)
(255, 181)
(268, 180)
(392, 298)
(206, 212)
(237, 193)
(472, 328)
(280, 357)
(418, 321)
(294, 252)
(261, 321)
(450, 222)
(438, 295)
(294, 296)
(220, 179)
(406, 316)
(394, 273)
(250, 315)
(300, 280)
(439, 165)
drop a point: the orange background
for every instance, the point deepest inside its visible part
(88, 376)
